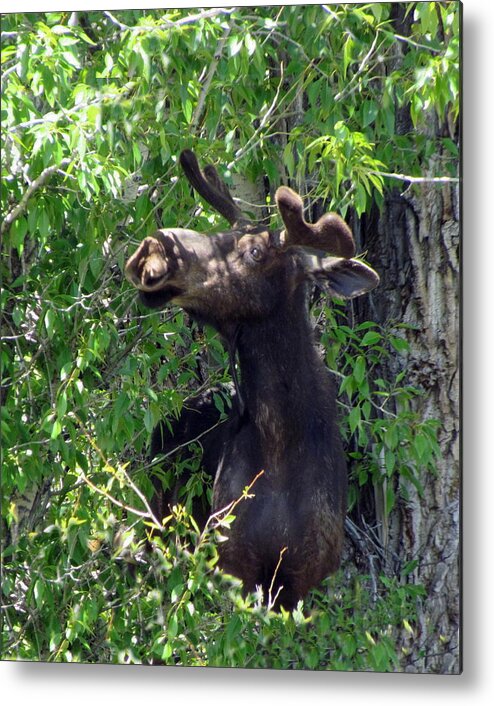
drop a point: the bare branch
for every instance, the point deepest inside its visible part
(418, 180)
(209, 77)
(327, 9)
(162, 456)
(272, 599)
(407, 40)
(8, 71)
(147, 514)
(250, 143)
(410, 180)
(64, 114)
(205, 14)
(359, 72)
(36, 184)
(219, 515)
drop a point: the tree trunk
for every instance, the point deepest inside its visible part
(415, 250)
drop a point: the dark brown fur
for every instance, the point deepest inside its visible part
(251, 285)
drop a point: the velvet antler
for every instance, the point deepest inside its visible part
(330, 233)
(211, 188)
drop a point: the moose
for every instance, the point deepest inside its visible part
(252, 284)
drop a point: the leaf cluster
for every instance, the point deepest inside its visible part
(89, 591)
(391, 444)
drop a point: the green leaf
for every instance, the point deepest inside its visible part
(389, 499)
(288, 159)
(187, 108)
(354, 418)
(391, 437)
(234, 45)
(359, 369)
(148, 420)
(18, 231)
(347, 54)
(250, 44)
(233, 629)
(71, 59)
(360, 198)
(56, 429)
(422, 447)
(370, 110)
(50, 322)
(399, 344)
(61, 405)
(389, 461)
(371, 338)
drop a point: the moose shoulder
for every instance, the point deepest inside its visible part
(252, 285)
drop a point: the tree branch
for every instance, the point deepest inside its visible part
(36, 184)
(209, 77)
(358, 73)
(250, 143)
(205, 14)
(417, 180)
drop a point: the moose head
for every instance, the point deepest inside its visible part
(245, 273)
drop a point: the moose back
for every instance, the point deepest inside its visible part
(252, 285)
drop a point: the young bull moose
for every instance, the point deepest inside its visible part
(252, 285)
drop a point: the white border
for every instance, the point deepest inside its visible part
(80, 684)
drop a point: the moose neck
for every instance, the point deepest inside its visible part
(285, 386)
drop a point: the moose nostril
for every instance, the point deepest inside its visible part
(153, 273)
(147, 268)
(150, 280)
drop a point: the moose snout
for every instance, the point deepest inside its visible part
(147, 269)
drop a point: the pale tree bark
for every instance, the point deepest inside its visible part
(416, 251)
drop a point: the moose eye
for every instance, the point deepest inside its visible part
(256, 253)
(253, 248)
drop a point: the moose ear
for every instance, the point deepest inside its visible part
(341, 277)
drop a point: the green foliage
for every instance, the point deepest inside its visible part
(94, 114)
(392, 446)
(174, 607)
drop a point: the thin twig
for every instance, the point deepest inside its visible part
(168, 24)
(161, 457)
(8, 71)
(327, 9)
(407, 40)
(227, 510)
(209, 77)
(64, 114)
(271, 600)
(36, 184)
(250, 143)
(339, 96)
(417, 180)
(147, 514)
(114, 500)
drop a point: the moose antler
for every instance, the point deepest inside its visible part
(330, 233)
(212, 188)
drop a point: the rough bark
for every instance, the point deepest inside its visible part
(417, 248)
